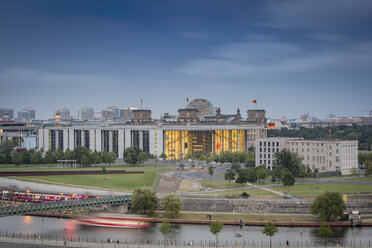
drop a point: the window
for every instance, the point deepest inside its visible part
(277, 143)
(260, 155)
(260, 143)
(303, 149)
(277, 149)
(264, 155)
(264, 143)
(337, 159)
(268, 155)
(268, 143)
(260, 161)
(273, 143)
(268, 149)
(268, 161)
(260, 149)
(264, 149)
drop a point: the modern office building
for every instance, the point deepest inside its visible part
(8, 112)
(179, 139)
(86, 114)
(317, 155)
(63, 112)
(26, 115)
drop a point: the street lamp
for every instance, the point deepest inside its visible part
(42, 231)
(138, 234)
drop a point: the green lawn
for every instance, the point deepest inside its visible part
(239, 192)
(219, 184)
(125, 182)
(320, 188)
(359, 179)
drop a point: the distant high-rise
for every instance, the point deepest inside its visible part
(86, 114)
(126, 114)
(111, 113)
(7, 111)
(26, 115)
(64, 112)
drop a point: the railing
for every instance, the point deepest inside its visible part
(38, 238)
(59, 205)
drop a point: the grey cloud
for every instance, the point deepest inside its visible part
(319, 14)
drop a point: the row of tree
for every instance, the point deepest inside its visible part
(361, 133)
(365, 161)
(82, 155)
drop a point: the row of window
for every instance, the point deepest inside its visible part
(270, 150)
(268, 143)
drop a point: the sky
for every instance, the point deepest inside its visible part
(292, 56)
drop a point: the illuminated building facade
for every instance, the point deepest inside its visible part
(182, 138)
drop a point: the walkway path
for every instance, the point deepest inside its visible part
(14, 184)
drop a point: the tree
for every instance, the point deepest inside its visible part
(273, 178)
(229, 176)
(60, 155)
(262, 173)
(131, 155)
(165, 228)
(251, 175)
(163, 156)
(97, 158)
(210, 171)
(269, 230)
(142, 157)
(325, 232)
(7, 146)
(144, 200)
(236, 167)
(287, 159)
(250, 161)
(288, 179)
(172, 205)
(215, 228)
(49, 158)
(104, 171)
(26, 157)
(242, 177)
(68, 155)
(17, 158)
(109, 157)
(36, 158)
(328, 206)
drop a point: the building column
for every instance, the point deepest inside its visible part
(46, 139)
(98, 140)
(183, 144)
(71, 138)
(120, 143)
(82, 138)
(40, 140)
(65, 139)
(127, 138)
(160, 141)
(140, 139)
(152, 142)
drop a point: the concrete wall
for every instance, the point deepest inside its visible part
(263, 206)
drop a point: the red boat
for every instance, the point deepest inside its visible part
(114, 220)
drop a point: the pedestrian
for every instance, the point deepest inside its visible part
(287, 243)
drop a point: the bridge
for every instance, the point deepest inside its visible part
(62, 205)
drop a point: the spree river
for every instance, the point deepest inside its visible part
(186, 232)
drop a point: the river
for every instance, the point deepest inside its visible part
(185, 232)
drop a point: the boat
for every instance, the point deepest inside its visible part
(114, 220)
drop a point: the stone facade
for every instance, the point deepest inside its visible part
(264, 206)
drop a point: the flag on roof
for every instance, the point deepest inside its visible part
(271, 125)
(254, 101)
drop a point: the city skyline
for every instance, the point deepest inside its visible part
(293, 57)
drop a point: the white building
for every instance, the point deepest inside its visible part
(26, 115)
(318, 155)
(111, 113)
(86, 114)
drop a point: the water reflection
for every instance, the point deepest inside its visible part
(70, 228)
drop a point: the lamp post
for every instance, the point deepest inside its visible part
(138, 234)
(42, 231)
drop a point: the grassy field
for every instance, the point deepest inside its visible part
(358, 179)
(219, 184)
(320, 188)
(123, 182)
(240, 191)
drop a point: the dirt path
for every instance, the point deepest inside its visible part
(168, 183)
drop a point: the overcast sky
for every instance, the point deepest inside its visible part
(293, 56)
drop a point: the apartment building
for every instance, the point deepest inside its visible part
(318, 155)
